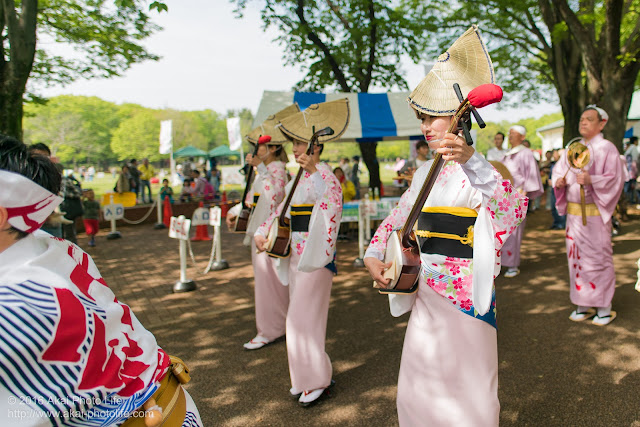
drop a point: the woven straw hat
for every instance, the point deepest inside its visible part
(334, 114)
(466, 62)
(268, 127)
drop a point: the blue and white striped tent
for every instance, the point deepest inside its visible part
(374, 116)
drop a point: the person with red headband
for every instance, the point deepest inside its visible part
(267, 191)
(70, 352)
(591, 272)
(449, 366)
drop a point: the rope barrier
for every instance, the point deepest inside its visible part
(193, 258)
(141, 220)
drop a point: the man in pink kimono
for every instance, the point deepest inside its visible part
(589, 251)
(526, 180)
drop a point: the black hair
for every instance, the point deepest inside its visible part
(196, 171)
(633, 140)
(15, 157)
(165, 180)
(278, 148)
(500, 133)
(356, 158)
(40, 147)
(421, 143)
(593, 107)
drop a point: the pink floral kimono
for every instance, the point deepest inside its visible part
(449, 367)
(309, 273)
(271, 298)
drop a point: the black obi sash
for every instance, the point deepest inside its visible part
(446, 231)
(300, 217)
(256, 196)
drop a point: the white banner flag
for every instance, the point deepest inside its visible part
(233, 130)
(166, 144)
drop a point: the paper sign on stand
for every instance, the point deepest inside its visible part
(215, 215)
(200, 217)
(113, 212)
(179, 229)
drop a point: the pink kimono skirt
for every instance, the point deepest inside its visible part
(449, 367)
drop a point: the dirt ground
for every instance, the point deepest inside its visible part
(552, 371)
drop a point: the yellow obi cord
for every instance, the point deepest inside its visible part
(465, 240)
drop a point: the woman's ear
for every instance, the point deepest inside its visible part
(4, 219)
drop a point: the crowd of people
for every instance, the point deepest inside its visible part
(470, 226)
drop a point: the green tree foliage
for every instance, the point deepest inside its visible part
(77, 128)
(137, 137)
(105, 36)
(345, 45)
(588, 51)
(88, 130)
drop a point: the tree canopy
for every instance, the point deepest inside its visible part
(588, 51)
(345, 45)
(106, 37)
(87, 130)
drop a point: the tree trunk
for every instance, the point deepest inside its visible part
(368, 150)
(616, 101)
(10, 112)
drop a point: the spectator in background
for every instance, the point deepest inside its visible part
(348, 189)
(71, 206)
(346, 168)
(91, 173)
(146, 173)
(355, 175)
(134, 173)
(496, 153)
(215, 181)
(166, 191)
(559, 221)
(91, 215)
(187, 167)
(631, 155)
(186, 193)
(409, 167)
(124, 181)
(545, 170)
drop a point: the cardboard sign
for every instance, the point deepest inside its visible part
(114, 211)
(200, 217)
(215, 215)
(179, 228)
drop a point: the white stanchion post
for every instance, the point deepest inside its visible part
(159, 225)
(183, 261)
(359, 262)
(179, 229)
(215, 219)
(114, 234)
(367, 219)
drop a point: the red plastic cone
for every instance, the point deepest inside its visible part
(224, 207)
(202, 231)
(167, 212)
